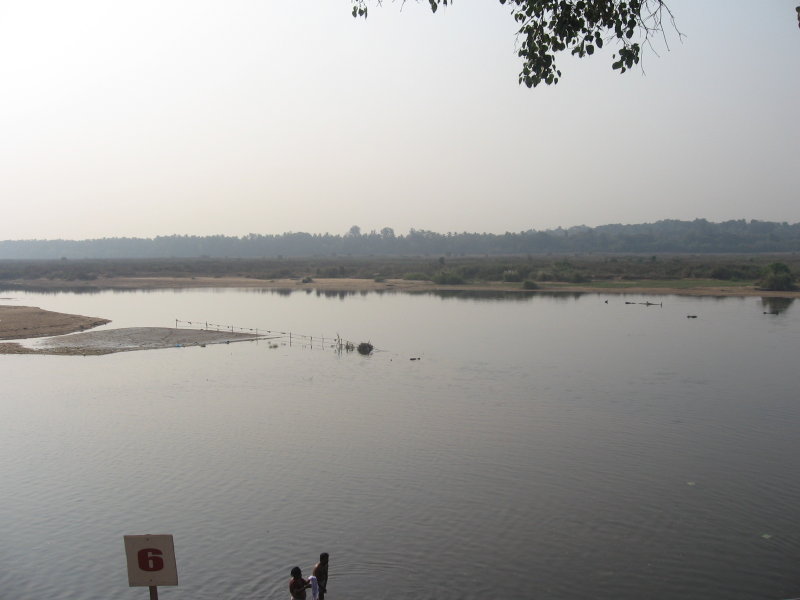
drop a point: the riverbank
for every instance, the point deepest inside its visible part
(684, 287)
(108, 341)
(29, 323)
(22, 322)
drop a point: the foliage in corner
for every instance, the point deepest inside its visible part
(547, 27)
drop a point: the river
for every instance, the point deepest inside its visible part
(539, 446)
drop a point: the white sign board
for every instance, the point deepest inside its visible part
(151, 560)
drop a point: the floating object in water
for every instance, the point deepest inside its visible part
(691, 316)
(364, 348)
(416, 358)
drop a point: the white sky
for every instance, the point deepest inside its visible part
(204, 117)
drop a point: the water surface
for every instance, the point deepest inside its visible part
(542, 446)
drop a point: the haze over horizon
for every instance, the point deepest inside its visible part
(198, 118)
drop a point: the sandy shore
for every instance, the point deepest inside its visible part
(132, 338)
(359, 285)
(20, 322)
(28, 322)
(123, 340)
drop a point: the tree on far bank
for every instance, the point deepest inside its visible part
(777, 277)
(548, 27)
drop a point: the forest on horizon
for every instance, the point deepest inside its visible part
(668, 236)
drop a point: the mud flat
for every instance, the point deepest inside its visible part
(125, 340)
(21, 322)
(29, 323)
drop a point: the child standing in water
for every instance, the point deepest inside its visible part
(298, 585)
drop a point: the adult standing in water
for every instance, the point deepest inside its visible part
(298, 585)
(321, 573)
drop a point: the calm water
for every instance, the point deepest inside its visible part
(543, 447)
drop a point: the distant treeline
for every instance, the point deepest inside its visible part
(669, 236)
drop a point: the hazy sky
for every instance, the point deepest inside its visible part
(147, 118)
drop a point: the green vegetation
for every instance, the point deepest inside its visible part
(445, 277)
(773, 272)
(549, 27)
(416, 276)
(777, 277)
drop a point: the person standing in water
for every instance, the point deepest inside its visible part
(321, 573)
(298, 585)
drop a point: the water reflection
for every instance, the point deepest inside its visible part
(340, 294)
(11, 287)
(770, 305)
(776, 306)
(92, 290)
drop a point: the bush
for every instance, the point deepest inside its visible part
(448, 278)
(723, 273)
(777, 277)
(578, 278)
(416, 277)
(530, 285)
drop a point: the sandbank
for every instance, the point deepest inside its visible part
(32, 324)
(21, 322)
(125, 340)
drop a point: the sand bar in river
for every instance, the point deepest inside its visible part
(21, 322)
(135, 338)
(27, 322)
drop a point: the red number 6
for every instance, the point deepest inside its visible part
(150, 559)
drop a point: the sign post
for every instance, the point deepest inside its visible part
(151, 561)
